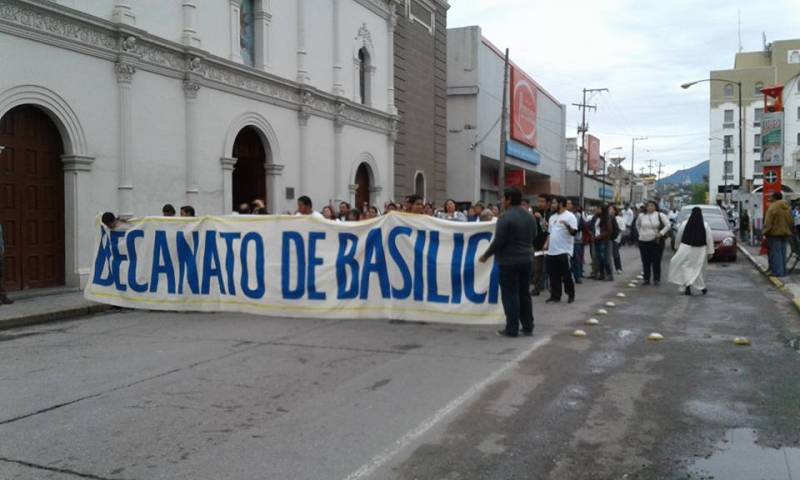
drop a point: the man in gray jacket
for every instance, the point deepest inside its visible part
(512, 246)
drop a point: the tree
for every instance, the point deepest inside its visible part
(698, 193)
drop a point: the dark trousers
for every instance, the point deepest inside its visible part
(651, 259)
(559, 269)
(577, 261)
(777, 255)
(514, 280)
(604, 259)
(538, 273)
(617, 258)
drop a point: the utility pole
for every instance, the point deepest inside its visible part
(501, 181)
(633, 164)
(582, 130)
(650, 167)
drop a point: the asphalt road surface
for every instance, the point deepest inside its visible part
(148, 395)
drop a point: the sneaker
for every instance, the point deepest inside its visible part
(527, 333)
(552, 300)
(646, 282)
(6, 301)
(503, 333)
(619, 272)
(704, 291)
(571, 299)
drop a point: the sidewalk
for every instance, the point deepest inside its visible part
(49, 305)
(789, 284)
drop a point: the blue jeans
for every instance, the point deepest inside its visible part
(603, 265)
(777, 256)
(577, 261)
(514, 281)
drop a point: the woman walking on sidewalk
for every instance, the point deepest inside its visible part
(696, 245)
(652, 227)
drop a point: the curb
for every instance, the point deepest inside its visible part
(774, 280)
(53, 316)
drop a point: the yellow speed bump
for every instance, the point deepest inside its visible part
(656, 337)
(578, 333)
(592, 321)
(633, 285)
(640, 277)
(621, 295)
(741, 341)
(602, 311)
(611, 304)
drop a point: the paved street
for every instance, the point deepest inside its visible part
(148, 395)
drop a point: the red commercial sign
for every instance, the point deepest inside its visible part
(523, 108)
(593, 153)
(515, 178)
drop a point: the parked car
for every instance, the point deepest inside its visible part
(721, 229)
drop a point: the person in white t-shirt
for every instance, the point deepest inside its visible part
(304, 207)
(560, 247)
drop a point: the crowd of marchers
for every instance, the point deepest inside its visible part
(545, 247)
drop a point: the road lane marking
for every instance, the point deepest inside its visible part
(413, 435)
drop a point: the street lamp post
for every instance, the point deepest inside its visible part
(633, 165)
(741, 139)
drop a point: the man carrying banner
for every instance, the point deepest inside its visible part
(512, 245)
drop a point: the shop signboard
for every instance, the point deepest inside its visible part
(523, 108)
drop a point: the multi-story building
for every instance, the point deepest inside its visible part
(777, 64)
(536, 149)
(420, 84)
(124, 106)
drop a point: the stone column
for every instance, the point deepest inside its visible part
(274, 186)
(189, 35)
(375, 196)
(236, 51)
(78, 221)
(391, 138)
(353, 189)
(302, 71)
(190, 89)
(123, 13)
(338, 87)
(391, 22)
(302, 151)
(125, 72)
(263, 18)
(339, 179)
(227, 184)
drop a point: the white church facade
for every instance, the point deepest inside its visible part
(123, 106)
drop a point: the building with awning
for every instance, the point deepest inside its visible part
(536, 128)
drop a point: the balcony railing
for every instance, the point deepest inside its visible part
(728, 125)
(727, 150)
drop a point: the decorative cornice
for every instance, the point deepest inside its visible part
(273, 169)
(77, 163)
(227, 163)
(132, 48)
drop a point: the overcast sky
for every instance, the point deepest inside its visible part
(641, 50)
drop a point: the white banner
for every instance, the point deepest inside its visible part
(399, 266)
